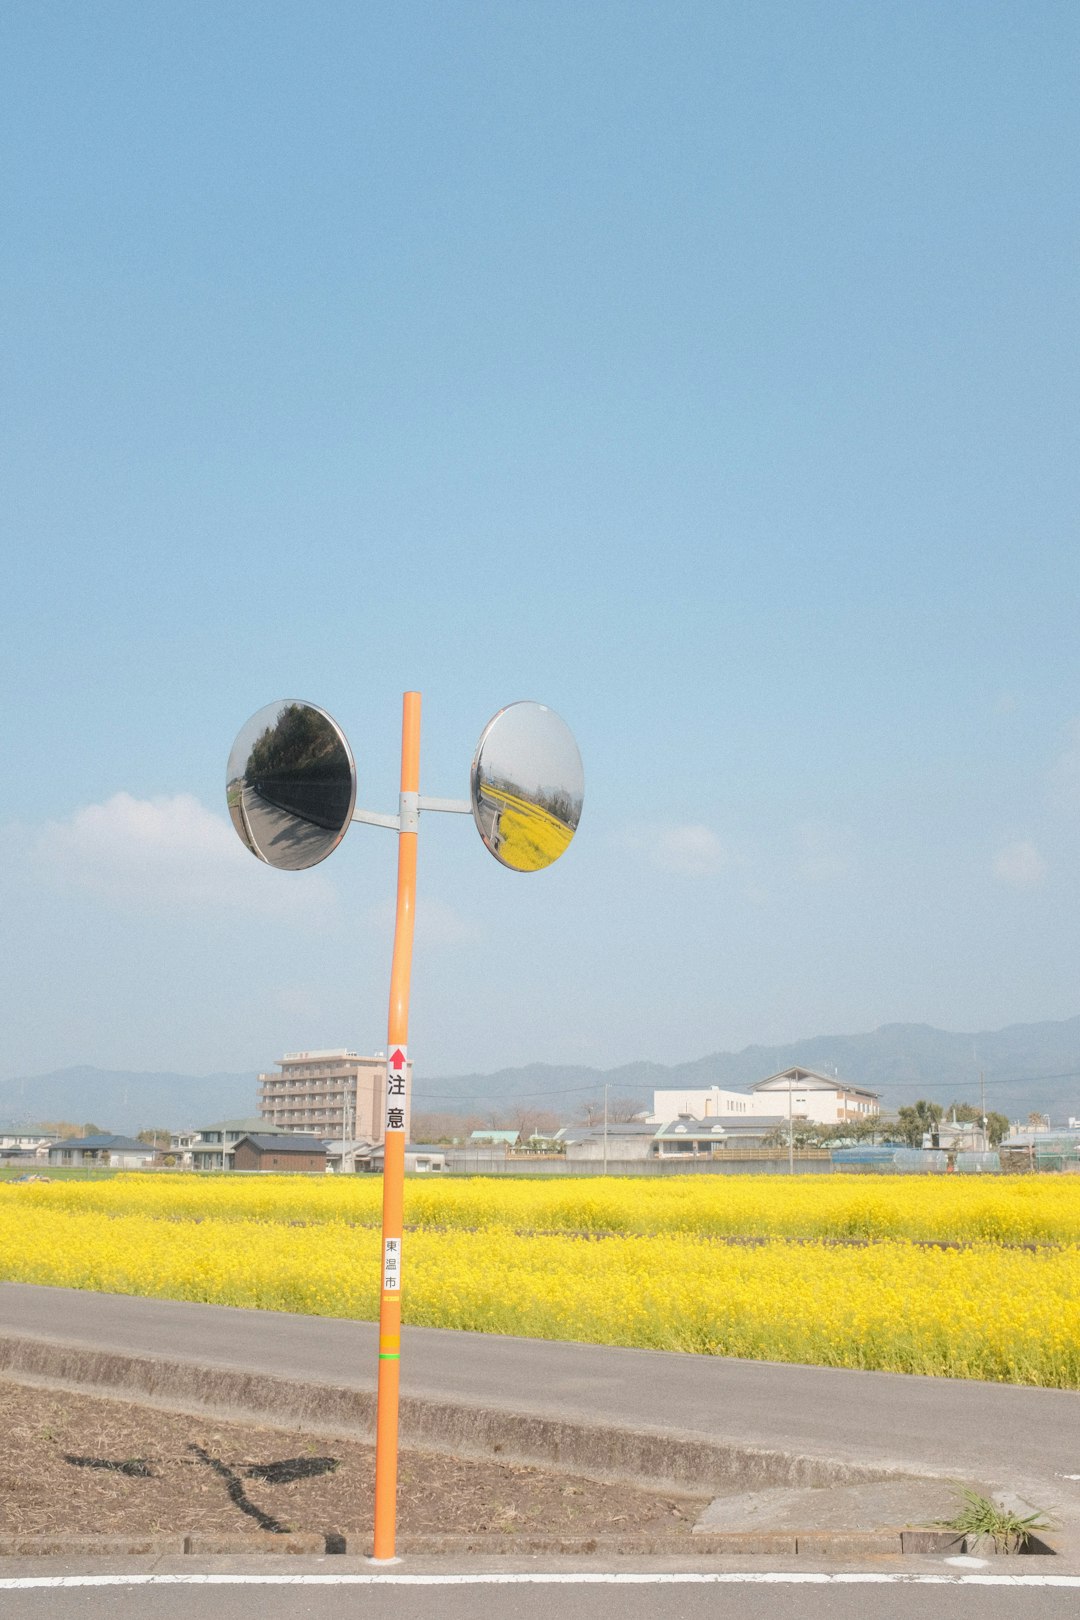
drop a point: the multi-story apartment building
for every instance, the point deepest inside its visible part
(334, 1094)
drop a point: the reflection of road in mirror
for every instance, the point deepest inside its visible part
(280, 837)
(290, 785)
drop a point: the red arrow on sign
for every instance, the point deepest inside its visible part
(398, 1059)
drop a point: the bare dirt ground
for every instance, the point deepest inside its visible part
(83, 1465)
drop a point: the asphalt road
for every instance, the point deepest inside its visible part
(288, 841)
(951, 1596)
(996, 1432)
(923, 1424)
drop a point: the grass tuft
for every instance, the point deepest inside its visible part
(982, 1516)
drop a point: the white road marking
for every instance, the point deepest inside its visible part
(251, 835)
(629, 1578)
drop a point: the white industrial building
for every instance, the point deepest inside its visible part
(711, 1103)
(804, 1093)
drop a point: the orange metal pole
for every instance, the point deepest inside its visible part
(396, 1110)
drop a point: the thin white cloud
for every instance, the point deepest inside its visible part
(168, 854)
(1020, 865)
(686, 849)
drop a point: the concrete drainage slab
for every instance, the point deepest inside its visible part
(865, 1506)
(886, 1516)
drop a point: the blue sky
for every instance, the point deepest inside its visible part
(705, 371)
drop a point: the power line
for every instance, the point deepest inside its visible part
(1009, 1080)
(481, 1097)
(519, 1096)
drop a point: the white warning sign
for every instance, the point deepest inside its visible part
(397, 1070)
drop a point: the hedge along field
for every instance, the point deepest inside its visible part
(987, 1311)
(955, 1209)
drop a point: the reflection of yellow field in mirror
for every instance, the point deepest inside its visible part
(530, 838)
(514, 1257)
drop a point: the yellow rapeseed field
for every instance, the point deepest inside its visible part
(530, 837)
(1009, 1210)
(506, 1257)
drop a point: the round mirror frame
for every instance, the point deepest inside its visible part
(297, 825)
(523, 834)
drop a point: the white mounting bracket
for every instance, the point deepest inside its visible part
(372, 819)
(408, 816)
(453, 807)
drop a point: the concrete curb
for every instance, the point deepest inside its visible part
(756, 1544)
(652, 1458)
(658, 1459)
(16, 1546)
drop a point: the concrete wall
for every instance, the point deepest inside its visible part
(97, 1160)
(638, 1167)
(619, 1147)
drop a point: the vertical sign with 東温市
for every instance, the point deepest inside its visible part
(391, 1265)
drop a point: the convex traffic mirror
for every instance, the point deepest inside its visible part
(291, 785)
(527, 786)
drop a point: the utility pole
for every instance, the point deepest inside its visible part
(605, 1126)
(790, 1133)
(982, 1105)
(346, 1129)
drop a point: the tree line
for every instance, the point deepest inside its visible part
(301, 744)
(911, 1123)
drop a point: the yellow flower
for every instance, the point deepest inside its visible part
(840, 1272)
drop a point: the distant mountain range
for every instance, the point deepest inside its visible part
(1027, 1067)
(126, 1101)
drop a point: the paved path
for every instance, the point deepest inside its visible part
(946, 1596)
(999, 1433)
(288, 841)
